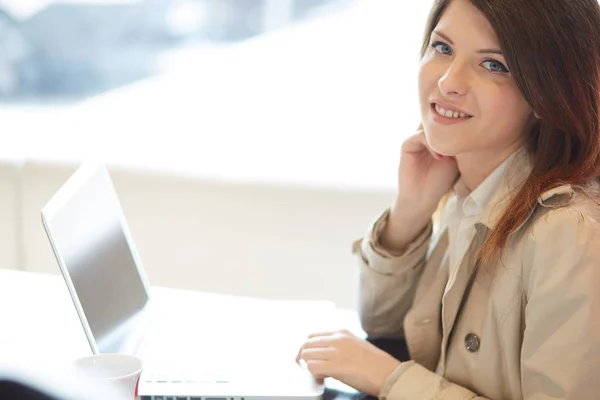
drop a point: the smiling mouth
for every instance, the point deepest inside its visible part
(448, 113)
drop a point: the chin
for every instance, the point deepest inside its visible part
(440, 142)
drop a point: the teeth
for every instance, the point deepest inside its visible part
(448, 113)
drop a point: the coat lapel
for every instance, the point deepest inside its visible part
(516, 174)
(451, 301)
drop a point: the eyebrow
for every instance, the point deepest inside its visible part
(482, 51)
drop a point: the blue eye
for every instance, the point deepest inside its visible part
(442, 48)
(495, 66)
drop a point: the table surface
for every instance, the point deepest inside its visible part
(45, 330)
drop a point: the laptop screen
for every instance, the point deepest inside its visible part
(89, 235)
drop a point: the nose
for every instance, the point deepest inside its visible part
(454, 82)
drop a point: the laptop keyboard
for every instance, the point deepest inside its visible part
(174, 376)
(188, 398)
(184, 376)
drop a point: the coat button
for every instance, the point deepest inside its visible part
(472, 342)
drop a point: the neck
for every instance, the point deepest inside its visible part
(475, 167)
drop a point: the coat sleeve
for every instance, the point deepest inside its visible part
(411, 381)
(560, 357)
(560, 354)
(387, 282)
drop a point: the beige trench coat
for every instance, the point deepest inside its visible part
(530, 331)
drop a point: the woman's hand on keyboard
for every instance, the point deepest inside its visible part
(343, 356)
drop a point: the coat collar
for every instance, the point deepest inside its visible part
(518, 170)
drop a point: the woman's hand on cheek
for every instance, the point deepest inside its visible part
(353, 361)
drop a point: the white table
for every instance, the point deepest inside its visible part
(40, 325)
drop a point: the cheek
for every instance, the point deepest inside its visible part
(506, 108)
(427, 80)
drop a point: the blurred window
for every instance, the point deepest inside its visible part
(313, 91)
(70, 49)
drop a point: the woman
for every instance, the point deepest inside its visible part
(503, 300)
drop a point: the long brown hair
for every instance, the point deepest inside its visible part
(552, 48)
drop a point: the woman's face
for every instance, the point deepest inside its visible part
(464, 76)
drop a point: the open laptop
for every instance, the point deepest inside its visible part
(193, 351)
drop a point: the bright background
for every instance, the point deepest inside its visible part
(250, 141)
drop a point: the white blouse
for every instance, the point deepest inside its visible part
(462, 213)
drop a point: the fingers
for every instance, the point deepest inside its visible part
(318, 341)
(423, 140)
(314, 343)
(415, 144)
(318, 369)
(322, 354)
(323, 341)
(329, 333)
(418, 143)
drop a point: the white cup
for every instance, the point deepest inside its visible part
(121, 371)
